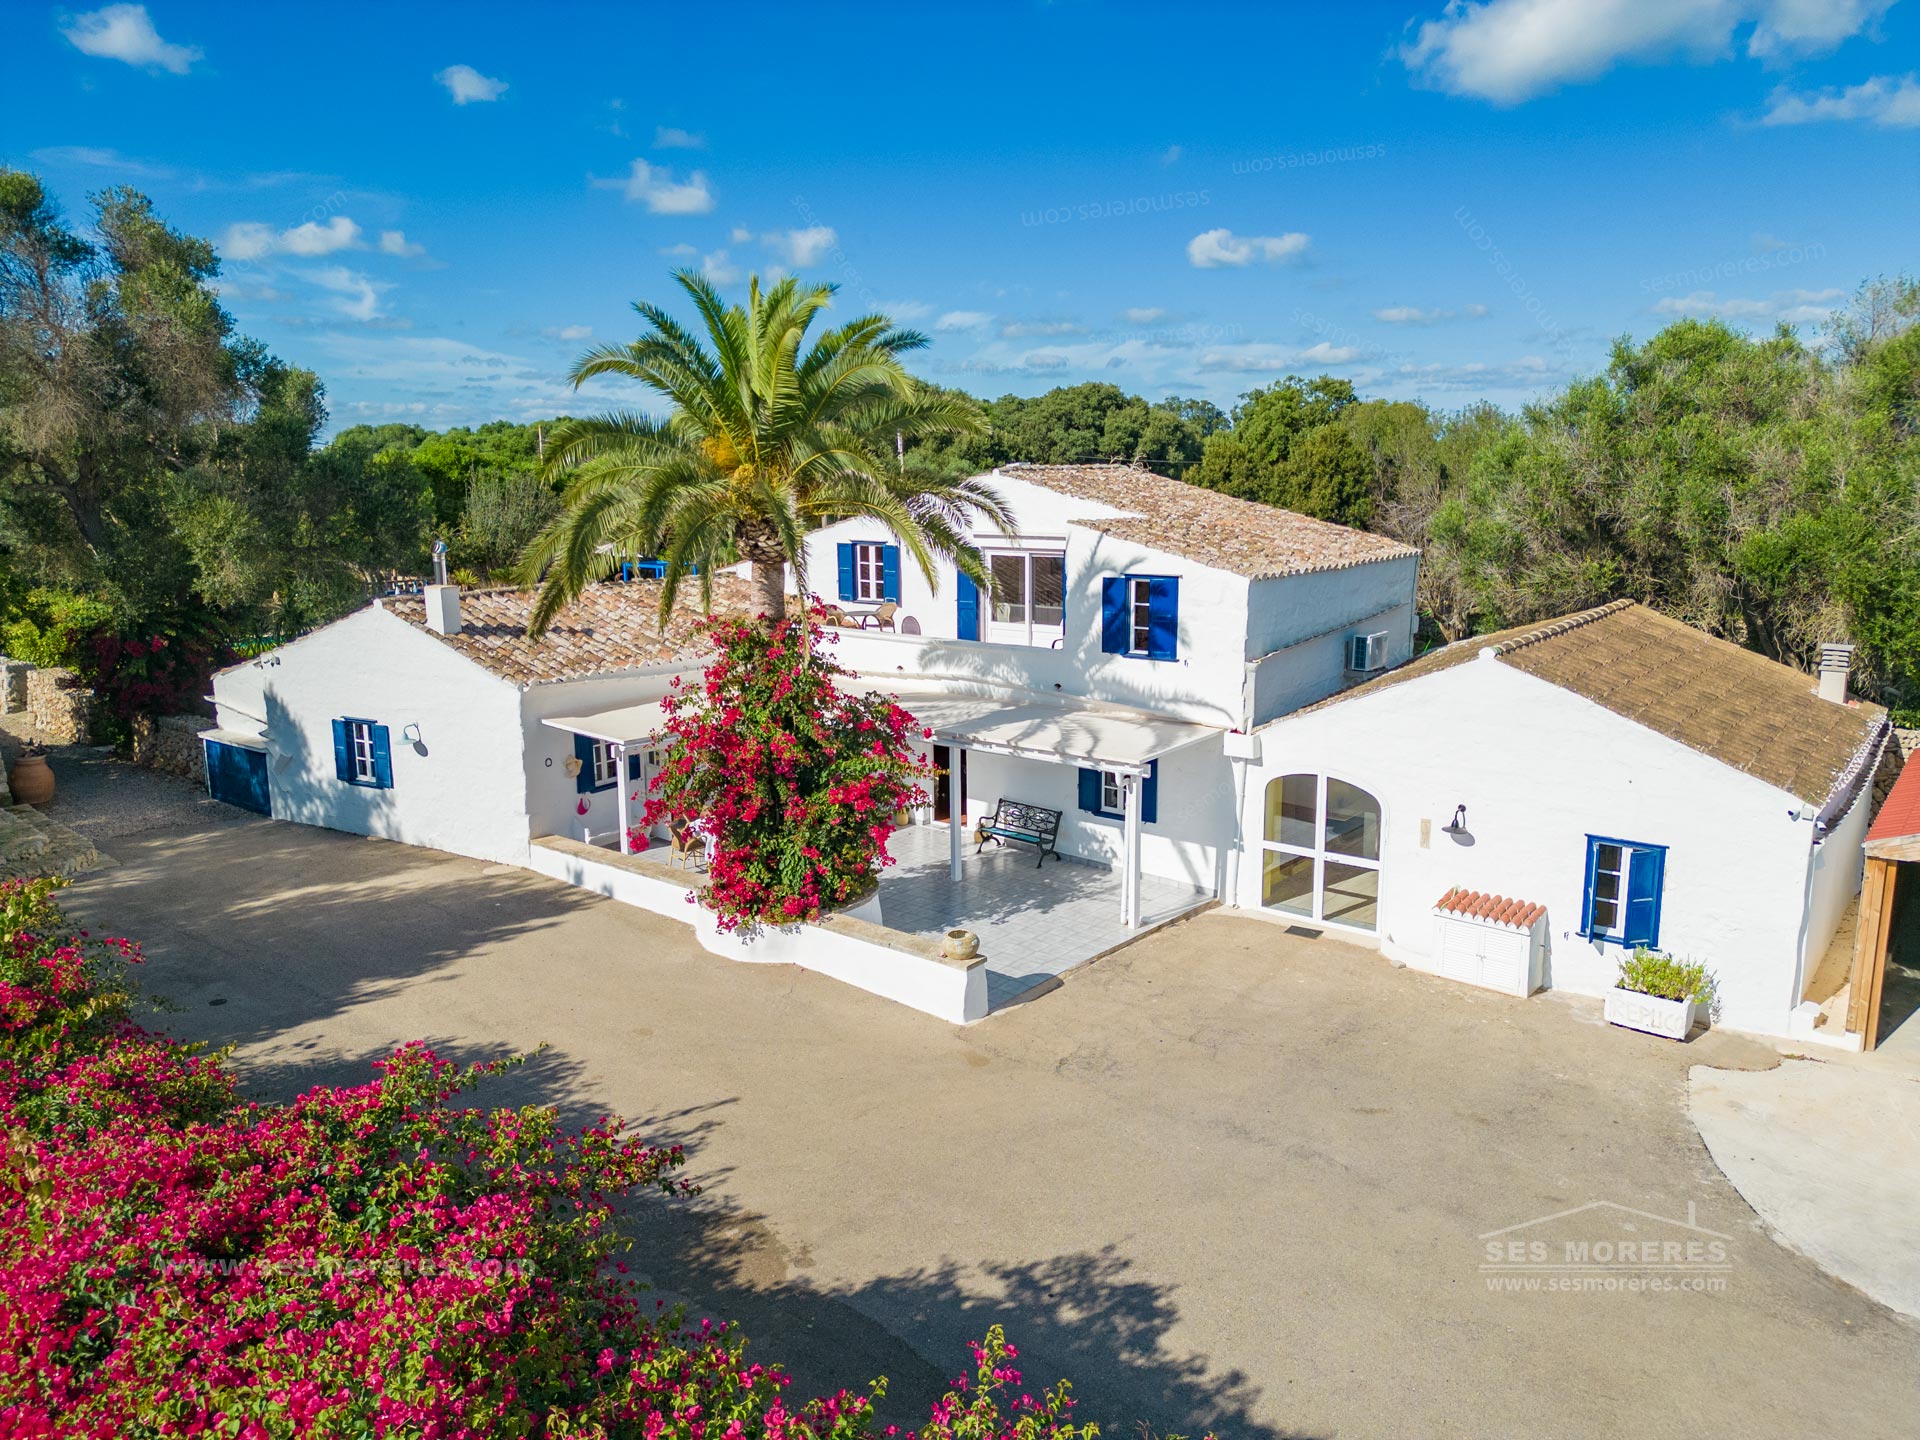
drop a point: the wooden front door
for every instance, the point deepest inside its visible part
(943, 784)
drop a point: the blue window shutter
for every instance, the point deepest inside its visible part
(1090, 790)
(890, 573)
(1163, 618)
(633, 764)
(382, 758)
(1586, 900)
(583, 752)
(1644, 872)
(846, 570)
(1113, 614)
(1150, 795)
(341, 768)
(968, 621)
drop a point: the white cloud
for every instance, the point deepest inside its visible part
(1529, 372)
(1794, 307)
(1507, 51)
(123, 32)
(1414, 315)
(468, 85)
(1883, 100)
(718, 268)
(1254, 357)
(682, 251)
(903, 311)
(1171, 155)
(358, 296)
(655, 187)
(101, 158)
(395, 242)
(1214, 249)
(801, 248)
(568, 332)
(1022, 329)
(962, 320)
(672, 137)
(251, 240)
(739, 235)
(1143, 314)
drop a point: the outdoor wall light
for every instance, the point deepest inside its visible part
(1458, 825)
(411, 734)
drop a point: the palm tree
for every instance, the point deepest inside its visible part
(765, 441)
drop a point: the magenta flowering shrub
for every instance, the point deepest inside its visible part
(371, 1260)
(793, 780)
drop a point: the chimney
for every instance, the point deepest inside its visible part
(1836, 661)
(443, 599)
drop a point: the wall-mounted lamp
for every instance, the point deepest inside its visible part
(1458, 825)
(411, 734)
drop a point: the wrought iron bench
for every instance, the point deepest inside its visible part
(1023, 824)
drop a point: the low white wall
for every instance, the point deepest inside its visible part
(1834, 871)
(951, 992)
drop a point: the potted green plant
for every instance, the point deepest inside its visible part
(1659, 994)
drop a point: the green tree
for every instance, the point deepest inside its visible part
(768, 436)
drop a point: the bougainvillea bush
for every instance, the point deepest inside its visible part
(793, 780)
(367, 1261)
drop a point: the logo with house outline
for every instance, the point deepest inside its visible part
(1604, 1245)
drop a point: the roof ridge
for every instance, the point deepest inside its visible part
(1560, 627)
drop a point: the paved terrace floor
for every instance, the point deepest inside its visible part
(1035, 922)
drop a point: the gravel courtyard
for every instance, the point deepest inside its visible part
(1230, 1178)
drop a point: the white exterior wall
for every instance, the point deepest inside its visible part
(1834, 871)
(1298, 627)
(453, 792)
(1539, 769)
(1187, 842)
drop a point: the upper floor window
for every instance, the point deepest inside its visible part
(1140, 616)
(1027, 603)
(869, 571)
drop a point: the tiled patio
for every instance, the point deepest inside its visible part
(1033, 922)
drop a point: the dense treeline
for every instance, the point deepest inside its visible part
(161, 474)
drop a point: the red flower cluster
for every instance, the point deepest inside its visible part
(370, 1260)
(794, 781)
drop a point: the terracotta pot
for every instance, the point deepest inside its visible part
(32, 780)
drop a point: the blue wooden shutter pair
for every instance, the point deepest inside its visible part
(1149, 794)
(1163, 616)
(846, 569)
(967, 623)
(382, 754)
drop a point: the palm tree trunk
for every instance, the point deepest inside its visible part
(768, 562)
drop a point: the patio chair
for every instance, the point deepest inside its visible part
(881, 616)
(685, 843)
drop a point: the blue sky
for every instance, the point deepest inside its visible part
(438, 208)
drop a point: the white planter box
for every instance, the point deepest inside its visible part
(1671, 1019)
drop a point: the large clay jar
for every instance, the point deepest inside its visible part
(960, 945)
(31, 779)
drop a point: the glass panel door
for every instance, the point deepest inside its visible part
(1321, 851)
(1007, 608)
(1049, 590)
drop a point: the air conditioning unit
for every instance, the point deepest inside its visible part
(1367, 653)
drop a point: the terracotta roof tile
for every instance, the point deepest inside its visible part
(1899, 817)
(609, 629)
(1497, 908)
(1242, 537)
(1757, 715)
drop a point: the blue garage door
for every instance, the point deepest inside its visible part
(238, 776)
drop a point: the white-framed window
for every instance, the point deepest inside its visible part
(1610, 889)
(1139, 615)
(360, 752)
(1112, 797)
(869, 571)
(1027, 597)
(1625, 879)
(1320, 851)
(606, 764)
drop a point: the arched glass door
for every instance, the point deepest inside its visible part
(1320, 858)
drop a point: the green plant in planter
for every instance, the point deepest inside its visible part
(1648, 972)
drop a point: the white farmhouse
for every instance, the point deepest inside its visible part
(1186, 698)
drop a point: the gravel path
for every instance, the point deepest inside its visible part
(103, 797)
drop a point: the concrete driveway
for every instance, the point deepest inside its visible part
(1229, 1178)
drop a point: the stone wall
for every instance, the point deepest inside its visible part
(171, 743)
(58, 708)
(13, 685)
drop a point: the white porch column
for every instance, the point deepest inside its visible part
(1131, 785)
(956, 807)
(620, 769)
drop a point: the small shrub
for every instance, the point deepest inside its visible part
(1648, 972)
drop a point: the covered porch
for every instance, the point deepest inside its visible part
(1034, 923)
